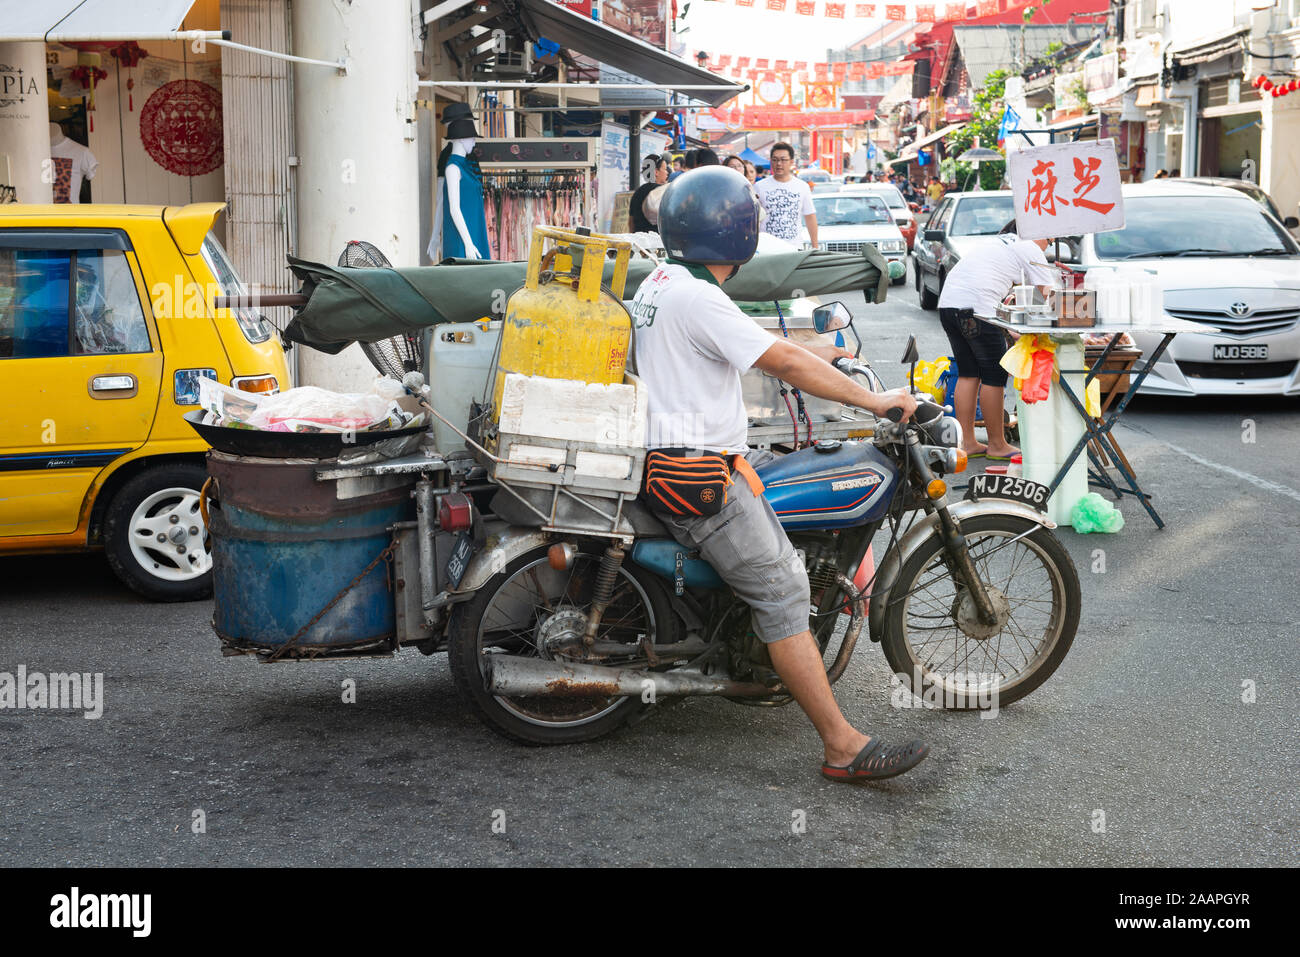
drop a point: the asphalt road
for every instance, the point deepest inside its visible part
(1144, 723)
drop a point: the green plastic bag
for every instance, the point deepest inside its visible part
(1092, 513)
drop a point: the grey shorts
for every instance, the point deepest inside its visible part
(748, 547)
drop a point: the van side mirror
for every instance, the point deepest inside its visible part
(1291, 222)
(934, 235)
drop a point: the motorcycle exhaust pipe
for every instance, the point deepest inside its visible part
(510, 675)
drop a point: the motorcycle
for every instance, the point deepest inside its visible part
(974, 603)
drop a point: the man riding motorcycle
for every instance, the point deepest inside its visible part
(691, 346)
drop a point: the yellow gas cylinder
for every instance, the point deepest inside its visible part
(562, 324)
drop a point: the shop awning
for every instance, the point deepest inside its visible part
(1210, 48)
(1147, 95)
(911, 149)
(581, 34)
(62, 21)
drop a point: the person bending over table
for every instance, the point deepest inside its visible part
(974, 289)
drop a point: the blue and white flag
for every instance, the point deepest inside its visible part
(1010, 123)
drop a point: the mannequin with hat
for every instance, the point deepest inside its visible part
(459, 221)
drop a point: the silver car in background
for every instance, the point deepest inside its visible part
(1225, 263)
(847, 221)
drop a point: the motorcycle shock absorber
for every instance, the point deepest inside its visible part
(606, 577)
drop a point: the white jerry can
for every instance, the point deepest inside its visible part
(1049, 431)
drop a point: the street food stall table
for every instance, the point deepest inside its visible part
(1097, 430)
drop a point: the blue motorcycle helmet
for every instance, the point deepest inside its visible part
(709, 216)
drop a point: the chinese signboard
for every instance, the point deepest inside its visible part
(1066, 189)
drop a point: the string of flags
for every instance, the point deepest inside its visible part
(916, 12)
(766, 69)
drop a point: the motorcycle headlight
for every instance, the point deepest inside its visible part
(946, 431)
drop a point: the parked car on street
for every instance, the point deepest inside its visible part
(1226, 263)
(1253, 190)
(846, 221)
(106, 326)
(904, 218)
(959, 223)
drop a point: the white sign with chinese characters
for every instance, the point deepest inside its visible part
(1066, 189)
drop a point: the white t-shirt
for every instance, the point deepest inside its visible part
(786, 205)
(691, 346)
(72, 163)
(984, 276)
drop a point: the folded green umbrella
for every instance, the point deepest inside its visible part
(347, 305)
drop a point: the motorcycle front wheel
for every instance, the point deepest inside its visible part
(934, 640)
(533, 610)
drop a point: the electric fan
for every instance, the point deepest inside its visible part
(396, 356)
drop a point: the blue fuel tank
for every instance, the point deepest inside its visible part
(830, 486)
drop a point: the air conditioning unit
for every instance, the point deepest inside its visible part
(514, 56)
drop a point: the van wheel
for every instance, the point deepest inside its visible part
(154, 535)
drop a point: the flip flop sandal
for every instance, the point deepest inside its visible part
(976, 455)
(1001, 458)
(877, 761)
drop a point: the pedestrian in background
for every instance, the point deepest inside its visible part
(786, 198)
(934, 192)
(654, 172)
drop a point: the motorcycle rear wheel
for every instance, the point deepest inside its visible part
(932, 640)
(514, 613)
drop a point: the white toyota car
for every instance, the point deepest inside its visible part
(1226, 264)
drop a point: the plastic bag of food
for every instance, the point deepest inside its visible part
(308, 408)
(230, 407)
(1092, 513)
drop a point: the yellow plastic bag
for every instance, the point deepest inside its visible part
(1019, 359)
(927, 377)
(1092, 398)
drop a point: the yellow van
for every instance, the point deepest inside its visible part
(107, 324)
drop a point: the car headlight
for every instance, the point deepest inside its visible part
(892, 246)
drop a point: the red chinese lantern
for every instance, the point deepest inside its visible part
(128, 54)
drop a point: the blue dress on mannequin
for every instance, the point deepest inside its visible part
(471, 208)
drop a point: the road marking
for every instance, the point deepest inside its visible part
(1255, 480)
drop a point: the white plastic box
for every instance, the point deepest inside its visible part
(583, 435)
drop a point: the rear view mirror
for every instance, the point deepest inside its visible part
(832, 316)
(910, 354)
(1291, 222)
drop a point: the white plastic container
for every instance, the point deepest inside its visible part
(459, 366)
(1114, 301)
(1049, 431)
(1146, 297)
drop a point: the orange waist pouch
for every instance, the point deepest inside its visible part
(686, 485)
(693, 485)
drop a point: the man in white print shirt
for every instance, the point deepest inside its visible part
(786, 198)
